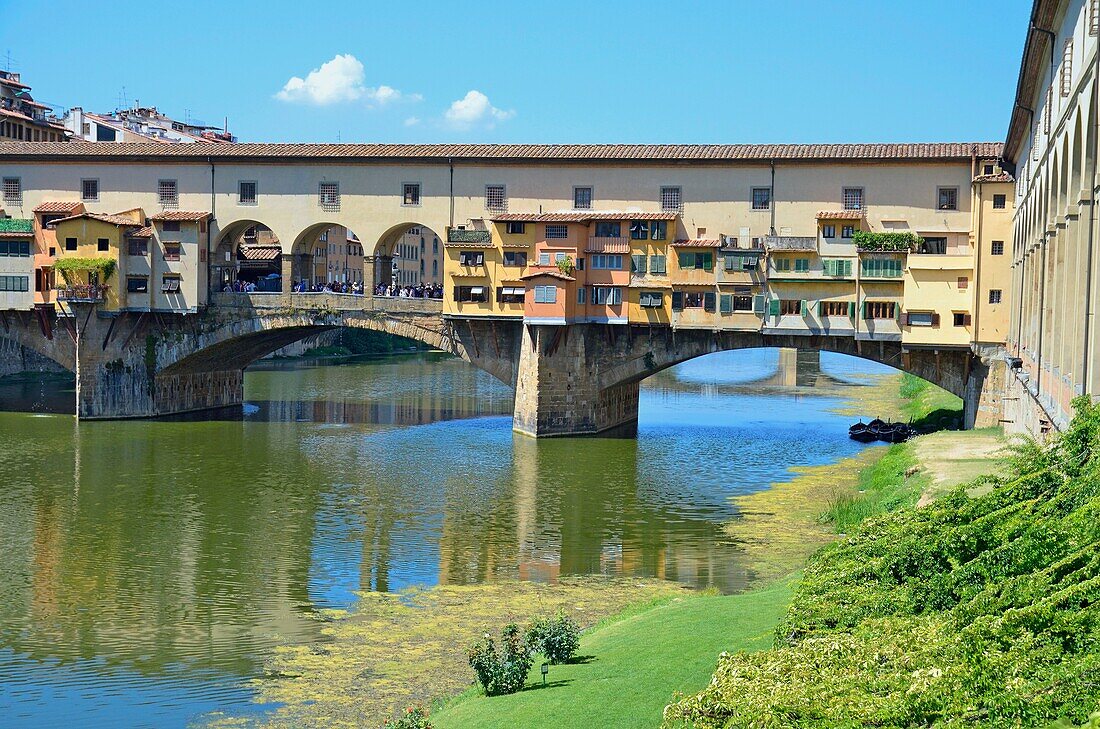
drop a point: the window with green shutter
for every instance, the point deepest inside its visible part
(657, 265)
(732, 262)
(773, 307)
(805, 307)
(677, 300)
(705, 261)
(637, 264)
(758, 303)
(782, 264)
(709, 301)
(686, 259)
(725, 304)
(801, 265)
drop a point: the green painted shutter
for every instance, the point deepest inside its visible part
(708, 301)
(758, 304)
(708, 262)
(863, 310)
(851, 310)
(687, 260)
(897, 311)
(637, 264)
(677, 300)
(773, 307)
(729, 261)
(725, 304)
(805, 307)
(820, 306)
(847, 268)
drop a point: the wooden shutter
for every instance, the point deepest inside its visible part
(897, 311)
(820, 306)
(847, 268)
(805, 307)
(707, 261)
(851, 310)
(966, 320)
(773, 307)
(637, 263)
(677, 300)
(708, 301)
(730, 261)
(758, 304)
(863, 310)
(726, 304)
(935, 319)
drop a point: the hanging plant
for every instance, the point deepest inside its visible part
(566, 266)
(69, 266)
(867, 241)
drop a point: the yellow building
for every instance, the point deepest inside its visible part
(993, 212)
(90, 262)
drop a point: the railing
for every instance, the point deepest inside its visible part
(606, 244)
(790, 242)
(82, 292)
(469, 236)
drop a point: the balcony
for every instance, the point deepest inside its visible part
(790, 243)
(455, 235)
(603, 244)
(82, 293)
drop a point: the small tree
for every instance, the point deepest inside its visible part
(503, 670)
(556, 638)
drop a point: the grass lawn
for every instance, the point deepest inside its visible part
(630, 668)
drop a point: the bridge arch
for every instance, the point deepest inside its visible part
(246, 250)
(409, 253)
(324, 253)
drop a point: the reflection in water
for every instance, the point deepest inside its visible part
(148, 568)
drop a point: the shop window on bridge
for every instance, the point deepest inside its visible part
(658, 230)
(651, 299)
(637, 264)
(801, 265)
(510, 294)
(781, 265)
(880, 267)
(703, 260)
(742, 299)
(739, 263)
(606, 296)
(608, 229)
(791, 307)
(137, 284)
(837, 266)
(16, 248)
(922, 319)
(546, 294)
(471, 258)
(477, 294)
(515, 258)
(693, 299)
(658, 265)
(960, 318)
(880, 310)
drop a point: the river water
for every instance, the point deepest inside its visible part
(149, 568)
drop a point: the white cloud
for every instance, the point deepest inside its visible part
(339, 80)
(474, 109)
(412, 121)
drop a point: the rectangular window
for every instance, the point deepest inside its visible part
(557, 232)
(637, 264)
(742, 298)
(837, 266)
(781, 264)
(13, 191)
(853, 198)
(639, 230)
(828, 231)
(582, 198)
(997, 248)
(410, 193)
(998, 202)
(476, 294)
(16, 248)
(247, 192)
(933, 246)
(672, 200)
(170, 284)
(606, 229)
(168, 193)
(139, 247)
(544, 259)
(14, 283)
(761, 198)
(607, 296)
(173, 226)
(546, 294)
(651, 299)
(510, 294)
(696, 260)
(960, 319)
(70, 244)
(515, 258)
(879, 309)
(172, 251)
(607, 261)
(471, 258)
(657, 265)
(987, 169)
(137, 284)
(328, 196)
(89, 190)
(881, 267)
(920, 319)
(801, 265)
(833, 308)
(964, 283)
(516, 228)
(103, 244)
(1066, 77)
(580, 295)
(847, 231)
(658, 230)
(496, 200)
(790, 307)
(948, 198)
(994, 296)
(1094, 17)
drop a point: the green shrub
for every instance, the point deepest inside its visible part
(415, 717)
(503, 670)
(556, 638)
(973, 611)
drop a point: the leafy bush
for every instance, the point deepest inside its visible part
(73, 264)
(556, 638)
(970, 612)
(867, 241)
(415, 717)
(502, 671)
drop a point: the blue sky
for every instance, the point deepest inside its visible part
(610, 71)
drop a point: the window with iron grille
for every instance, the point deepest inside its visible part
(672, 199)
(994, 296)
(948, 198)
(998, 202)
(328, 196)
(1035, 144)
(168, 193)
(998, 248)
(89, 190)
(833, 308)
(411, 193)
(853, 198)
(1094, 17)
(496, 199)
(879, 309)
(582, 198)
(557, 231)
(761, 198)
(1047, 111)
(247, 192)
(13, 191)
(1067, 68)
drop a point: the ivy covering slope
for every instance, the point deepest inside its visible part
(970, 612)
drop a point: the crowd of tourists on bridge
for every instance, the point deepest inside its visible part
(419, 291)
(330, 287)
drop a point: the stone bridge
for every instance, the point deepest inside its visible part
(568, 380)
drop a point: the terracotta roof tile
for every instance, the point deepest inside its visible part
(698, 243)
(59, 207)
(551, 272)
(1002, 177)
(146, 232)
(582, 217)
(759, 153)
(260, 253)
(186, 215)
(119, 220)
(842, 215)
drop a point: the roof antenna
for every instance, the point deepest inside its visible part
(7, 60)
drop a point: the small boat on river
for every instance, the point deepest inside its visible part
(880, 430)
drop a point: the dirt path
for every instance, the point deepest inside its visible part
(952, 457)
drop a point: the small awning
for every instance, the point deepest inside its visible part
(512, 291)
(698, 243)
(476, 290)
